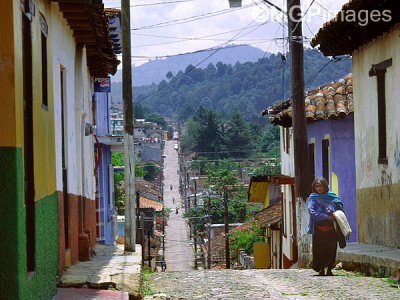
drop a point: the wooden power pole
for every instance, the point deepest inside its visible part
(130, 210)
(301, 169)
(227, 254)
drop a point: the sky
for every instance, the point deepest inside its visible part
(163, 28)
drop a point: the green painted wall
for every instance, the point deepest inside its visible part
(42, 284)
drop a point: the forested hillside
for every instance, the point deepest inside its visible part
(250, 86)
(155, 70)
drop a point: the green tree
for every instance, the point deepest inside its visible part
(237, 138)
(169, 75)
(156, 118)
(185, 113)
(207, 135)
(151, 170)
(138, 112)
(117, 159)
(245, 239)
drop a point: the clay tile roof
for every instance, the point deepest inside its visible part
(91, 28)
(144, 203)
(343, 35)
(269, 216)
(144, 186)
(328, 102)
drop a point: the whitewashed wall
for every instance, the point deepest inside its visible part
(77, 107)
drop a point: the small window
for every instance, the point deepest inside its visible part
(44, 31)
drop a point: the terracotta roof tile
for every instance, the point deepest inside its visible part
(90, 25)
(144, 202)
(269, 216)
(327, 102)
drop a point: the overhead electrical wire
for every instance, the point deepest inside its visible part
(192, 18)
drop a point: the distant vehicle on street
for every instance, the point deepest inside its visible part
(176, 136)
(176, 147)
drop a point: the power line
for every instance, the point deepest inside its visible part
(152, 4)
(204, 36)
(255, 41)
(187, 71)
(192, 18)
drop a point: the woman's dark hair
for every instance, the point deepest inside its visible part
(322, 181)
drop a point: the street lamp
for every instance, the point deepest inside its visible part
(235, 3)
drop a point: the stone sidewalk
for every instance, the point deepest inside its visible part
(110, 268)
(370, 259)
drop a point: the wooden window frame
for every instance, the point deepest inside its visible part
(379, 70)
(311, 159)
(325, 159)
(43, 37)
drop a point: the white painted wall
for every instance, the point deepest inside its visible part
(287, 160)
(78, 90)
(368, 171)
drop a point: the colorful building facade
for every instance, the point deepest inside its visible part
(47, 207)
(376, 74)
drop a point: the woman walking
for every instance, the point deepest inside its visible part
(322, 203)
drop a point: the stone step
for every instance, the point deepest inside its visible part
(83, 294)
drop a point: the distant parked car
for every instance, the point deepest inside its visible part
(176, 147)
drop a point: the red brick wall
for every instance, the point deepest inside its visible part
(90, 218)
(73, 223)
(73, 229)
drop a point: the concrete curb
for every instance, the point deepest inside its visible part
(370, 259)
(111, 267)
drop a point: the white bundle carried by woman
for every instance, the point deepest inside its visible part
(342, 221)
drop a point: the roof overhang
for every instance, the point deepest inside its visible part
(89, 23)
(345, 33)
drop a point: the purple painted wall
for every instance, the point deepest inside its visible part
(341, 162)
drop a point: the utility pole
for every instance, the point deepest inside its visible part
(130, 210)
(301, 169)
(227, 254)
(195, 230)
(209, 232)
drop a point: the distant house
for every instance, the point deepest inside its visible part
(375, 49)
(276, 191)
(330, 130)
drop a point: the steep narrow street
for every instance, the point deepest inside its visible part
(179, 254)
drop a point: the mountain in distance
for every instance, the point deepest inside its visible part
(252, 86)
(155, 70)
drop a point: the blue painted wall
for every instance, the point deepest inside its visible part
(341, 161)
(102, 113)
(106, 202)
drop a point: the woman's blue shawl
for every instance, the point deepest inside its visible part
(329, 197)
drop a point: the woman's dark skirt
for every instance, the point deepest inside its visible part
(324, 245)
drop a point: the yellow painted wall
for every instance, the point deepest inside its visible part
(262, 256)
(335, 184)
(259, 192)
(43, 120)
(7, 102)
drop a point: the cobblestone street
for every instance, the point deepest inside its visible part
(179, 254)
(269, 284)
